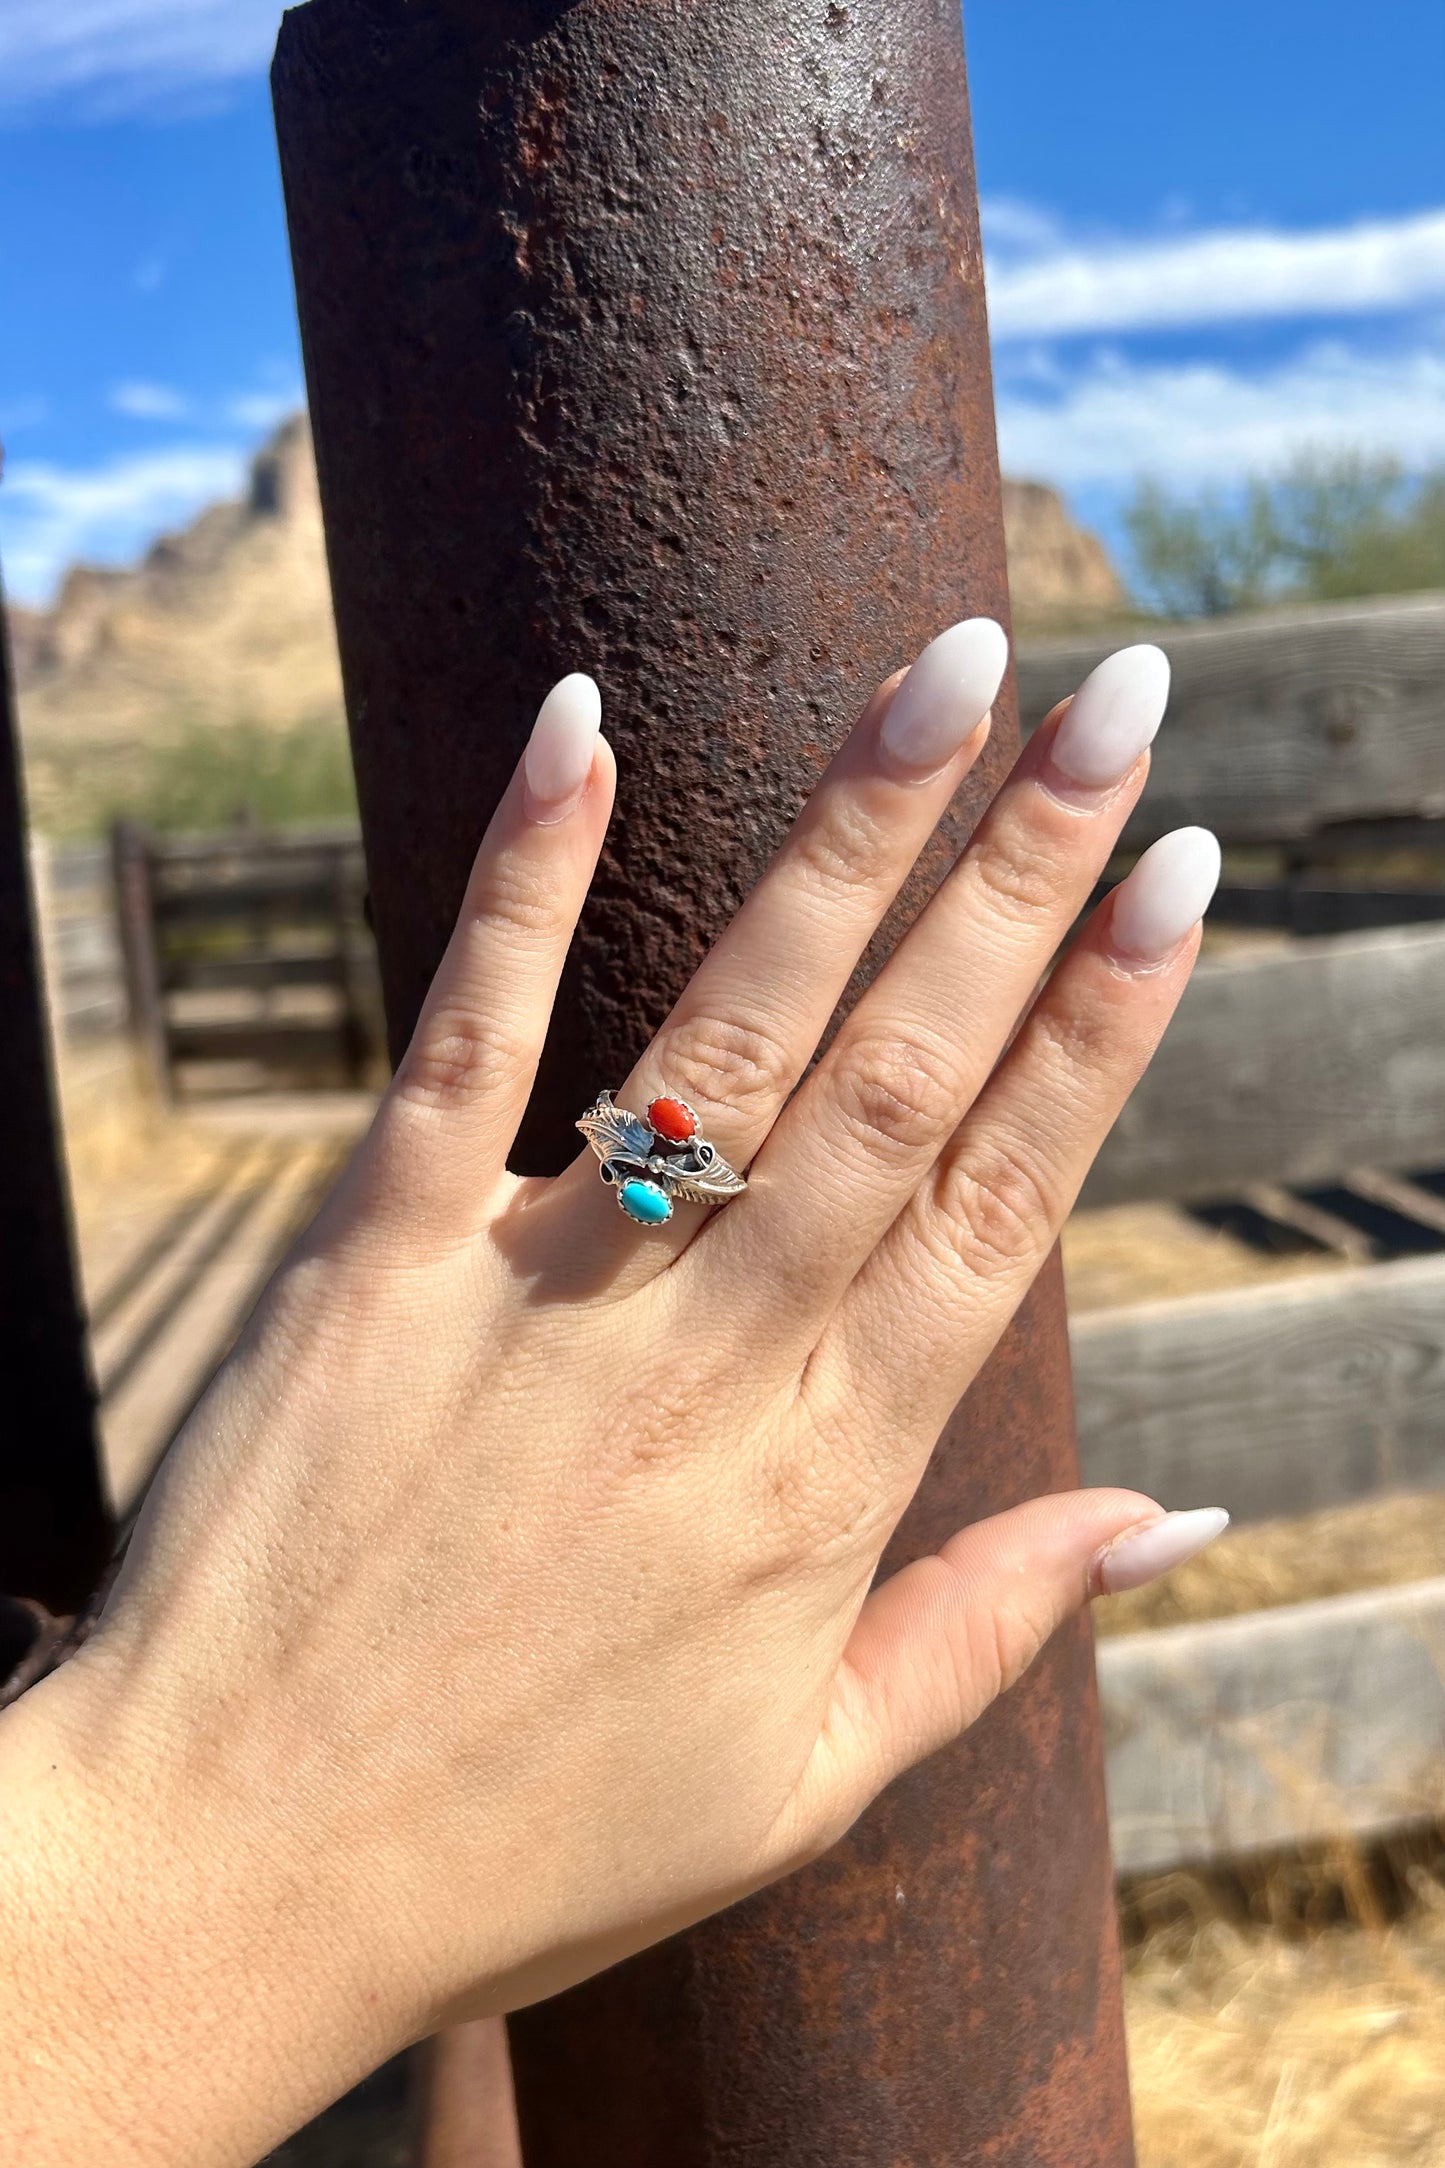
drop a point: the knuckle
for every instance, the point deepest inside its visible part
(510, 896)
(841, 856)
(1018, 875)
(897, 1095)
(718, 1062)
(456, 1058)
(997, 1214)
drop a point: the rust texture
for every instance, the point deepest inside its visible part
(647, 337)
(55, 1531)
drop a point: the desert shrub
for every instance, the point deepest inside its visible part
(1326, 527)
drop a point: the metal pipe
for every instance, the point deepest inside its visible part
(55, 1528)
(649, 339)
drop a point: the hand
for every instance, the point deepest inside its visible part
(506, 1604)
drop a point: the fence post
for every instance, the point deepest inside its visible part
(140, 960)
(55, 1530)
(650, 340)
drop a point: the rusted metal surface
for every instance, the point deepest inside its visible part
(462, 2099)
(649, 340)
(54, 1529)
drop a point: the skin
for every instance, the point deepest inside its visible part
(470, 1640)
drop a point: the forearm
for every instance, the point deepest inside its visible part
(167, 1995)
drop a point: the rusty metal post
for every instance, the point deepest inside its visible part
(647, 337)
(55, 1531)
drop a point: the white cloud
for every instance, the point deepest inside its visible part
(1012, 227)
(1044, 288)
(128, 52)
(1197, 422)
(148, 402)
(264, 409)
(52, 515)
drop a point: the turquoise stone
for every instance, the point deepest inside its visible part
(645, 1202)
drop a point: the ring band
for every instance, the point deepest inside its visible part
(651, 1162)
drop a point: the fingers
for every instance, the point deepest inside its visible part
(438, 1147)
(749, 1023)
(954, 1267)
(905, 1067)
(938, 1642)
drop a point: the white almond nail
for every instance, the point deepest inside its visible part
(946, 695)
(1144, 1553)
(558, 759)
(1112, 717)
(1167, 893)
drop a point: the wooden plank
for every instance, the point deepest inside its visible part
(1310, 1220)
(130, 862)
(333, 840)
(1323, 907)
(1283, 722)
(1270, 1400)
(1294, 1726)
(1397, 1195)
(1290, 1067)
(302, 899)
(278, 1042)
(256, 970)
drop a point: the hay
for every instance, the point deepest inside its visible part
(1150, 1252)
(1375, 1543)
(1255, 2048)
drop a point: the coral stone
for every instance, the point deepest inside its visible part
(672, 1120)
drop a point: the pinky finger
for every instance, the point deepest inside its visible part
(933, 1646)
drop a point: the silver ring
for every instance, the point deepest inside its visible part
(651, 1162)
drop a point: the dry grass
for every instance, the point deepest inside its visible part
(1264, 2046)
(1376, 1543)
(1151, 1252)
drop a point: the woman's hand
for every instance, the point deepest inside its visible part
(506, 1604)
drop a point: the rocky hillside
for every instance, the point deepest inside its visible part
(1059, 574)
(229, 623)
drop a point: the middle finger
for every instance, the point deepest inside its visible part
(916, 1050)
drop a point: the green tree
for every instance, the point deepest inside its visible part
(1328, 526)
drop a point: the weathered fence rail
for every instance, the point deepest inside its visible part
(1292, 1066)
(1283, 723)
(1292, 1726)
(1277, 1400)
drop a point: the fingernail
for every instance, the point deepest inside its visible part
(1112, 717)
(1167, 893)
(945, 696)
(558, 759)
(1142, 1554)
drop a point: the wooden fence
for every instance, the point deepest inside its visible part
(247, 958)
(1314, 742)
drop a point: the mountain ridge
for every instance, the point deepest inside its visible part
(228, 621)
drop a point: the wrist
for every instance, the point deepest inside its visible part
(182, 1985)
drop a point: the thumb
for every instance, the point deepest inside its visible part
(933, 1646)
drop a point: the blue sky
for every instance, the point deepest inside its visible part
(1216, 233)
